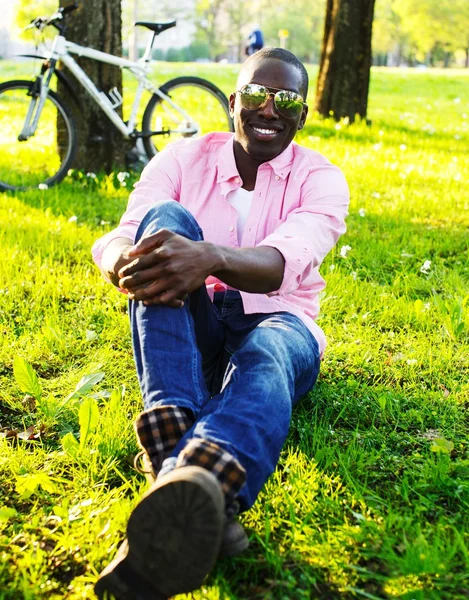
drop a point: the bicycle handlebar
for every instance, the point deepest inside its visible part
(42, 22)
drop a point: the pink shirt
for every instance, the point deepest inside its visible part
(299, 207)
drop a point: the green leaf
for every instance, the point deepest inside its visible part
(418, 306)
(84, 386)
(26, 485)
(442, 445)
(88, 417)
(70, 444)
(26, 378)
(115, 400)
(7, 513)
(382, 401)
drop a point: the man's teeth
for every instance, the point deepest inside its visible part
(265, 131)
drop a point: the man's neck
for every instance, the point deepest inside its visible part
(246, 165)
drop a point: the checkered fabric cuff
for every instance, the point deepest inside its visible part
(159, 429)
(229, 472)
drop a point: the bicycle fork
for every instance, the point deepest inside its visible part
(38, 94)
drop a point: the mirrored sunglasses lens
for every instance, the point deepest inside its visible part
(288, 103)
(252, 96)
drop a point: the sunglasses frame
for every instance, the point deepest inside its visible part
(270, 93)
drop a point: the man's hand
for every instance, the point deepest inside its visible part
(166, 267)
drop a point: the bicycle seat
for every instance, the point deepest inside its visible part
(156, 27)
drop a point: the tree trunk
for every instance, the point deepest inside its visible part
(344, 72)
(97, 24)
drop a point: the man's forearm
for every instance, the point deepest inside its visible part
(256, 270)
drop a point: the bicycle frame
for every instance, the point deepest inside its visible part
(62, 50)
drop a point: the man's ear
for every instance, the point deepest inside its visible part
(232, 103)
(304, 114)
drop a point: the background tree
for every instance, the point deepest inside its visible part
(98, 24)
(304, 25)
(344, 70)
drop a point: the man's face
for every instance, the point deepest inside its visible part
(264, 133)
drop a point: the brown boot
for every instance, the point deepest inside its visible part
(173, 538)
(234, 540)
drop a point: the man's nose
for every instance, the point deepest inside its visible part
(268, 110)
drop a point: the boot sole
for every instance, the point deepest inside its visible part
(174, 536)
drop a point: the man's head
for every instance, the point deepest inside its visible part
(265, 132)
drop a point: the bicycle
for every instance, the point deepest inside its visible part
(35, 121)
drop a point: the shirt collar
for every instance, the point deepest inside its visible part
(226, 164)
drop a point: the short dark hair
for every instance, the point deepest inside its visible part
(285, 56)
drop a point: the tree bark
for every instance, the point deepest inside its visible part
(97, 24)
(344, 71)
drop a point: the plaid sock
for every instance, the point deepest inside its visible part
(159, 429)
(229, 472)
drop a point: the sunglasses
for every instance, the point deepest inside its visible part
(287, 103)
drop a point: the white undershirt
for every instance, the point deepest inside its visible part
(240, 199)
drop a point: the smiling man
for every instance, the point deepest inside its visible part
(218, 251)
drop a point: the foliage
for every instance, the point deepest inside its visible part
(27, 10)
(371, 496)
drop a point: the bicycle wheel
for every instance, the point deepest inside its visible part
(205, 106)
(43, 158)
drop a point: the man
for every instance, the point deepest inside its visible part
(218, 252)
(255, 41)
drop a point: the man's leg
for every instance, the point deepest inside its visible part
(176, 349)
(174, 533)
(275, 361)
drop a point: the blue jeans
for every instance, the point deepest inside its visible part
(240, 374)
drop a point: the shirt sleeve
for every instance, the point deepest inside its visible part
(311, 230)
(160, 180)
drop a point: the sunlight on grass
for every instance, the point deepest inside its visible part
(371, 496)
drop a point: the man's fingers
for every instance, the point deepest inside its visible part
(148, 291)
(149, 243)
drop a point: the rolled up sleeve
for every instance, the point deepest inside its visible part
(160, 180)
(310, 231)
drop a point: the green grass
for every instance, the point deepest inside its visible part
(371, 496)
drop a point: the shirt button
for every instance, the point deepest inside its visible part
(277, 177)
(231, 228)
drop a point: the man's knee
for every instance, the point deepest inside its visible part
(169, 214)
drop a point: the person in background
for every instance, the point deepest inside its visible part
(255, 41)
(219, 253)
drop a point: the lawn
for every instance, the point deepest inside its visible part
(371, 496)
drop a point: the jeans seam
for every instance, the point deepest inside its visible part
(195, 350)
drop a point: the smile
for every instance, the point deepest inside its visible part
(265, 132)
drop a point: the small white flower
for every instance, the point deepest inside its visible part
(376, 195)
(43, 186)
(122, 176)
(73, 219)
(354, 275)
(331, 268)
(70, 172)
(91, 175)
(457, 137)
(403, 147)
(338, 126)
(361, 212)
(457, 100)
(411, 361)
(425, 268)
(105, 222)
(427, 306)
(344, 250)
(377, 147)
(381, 133)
